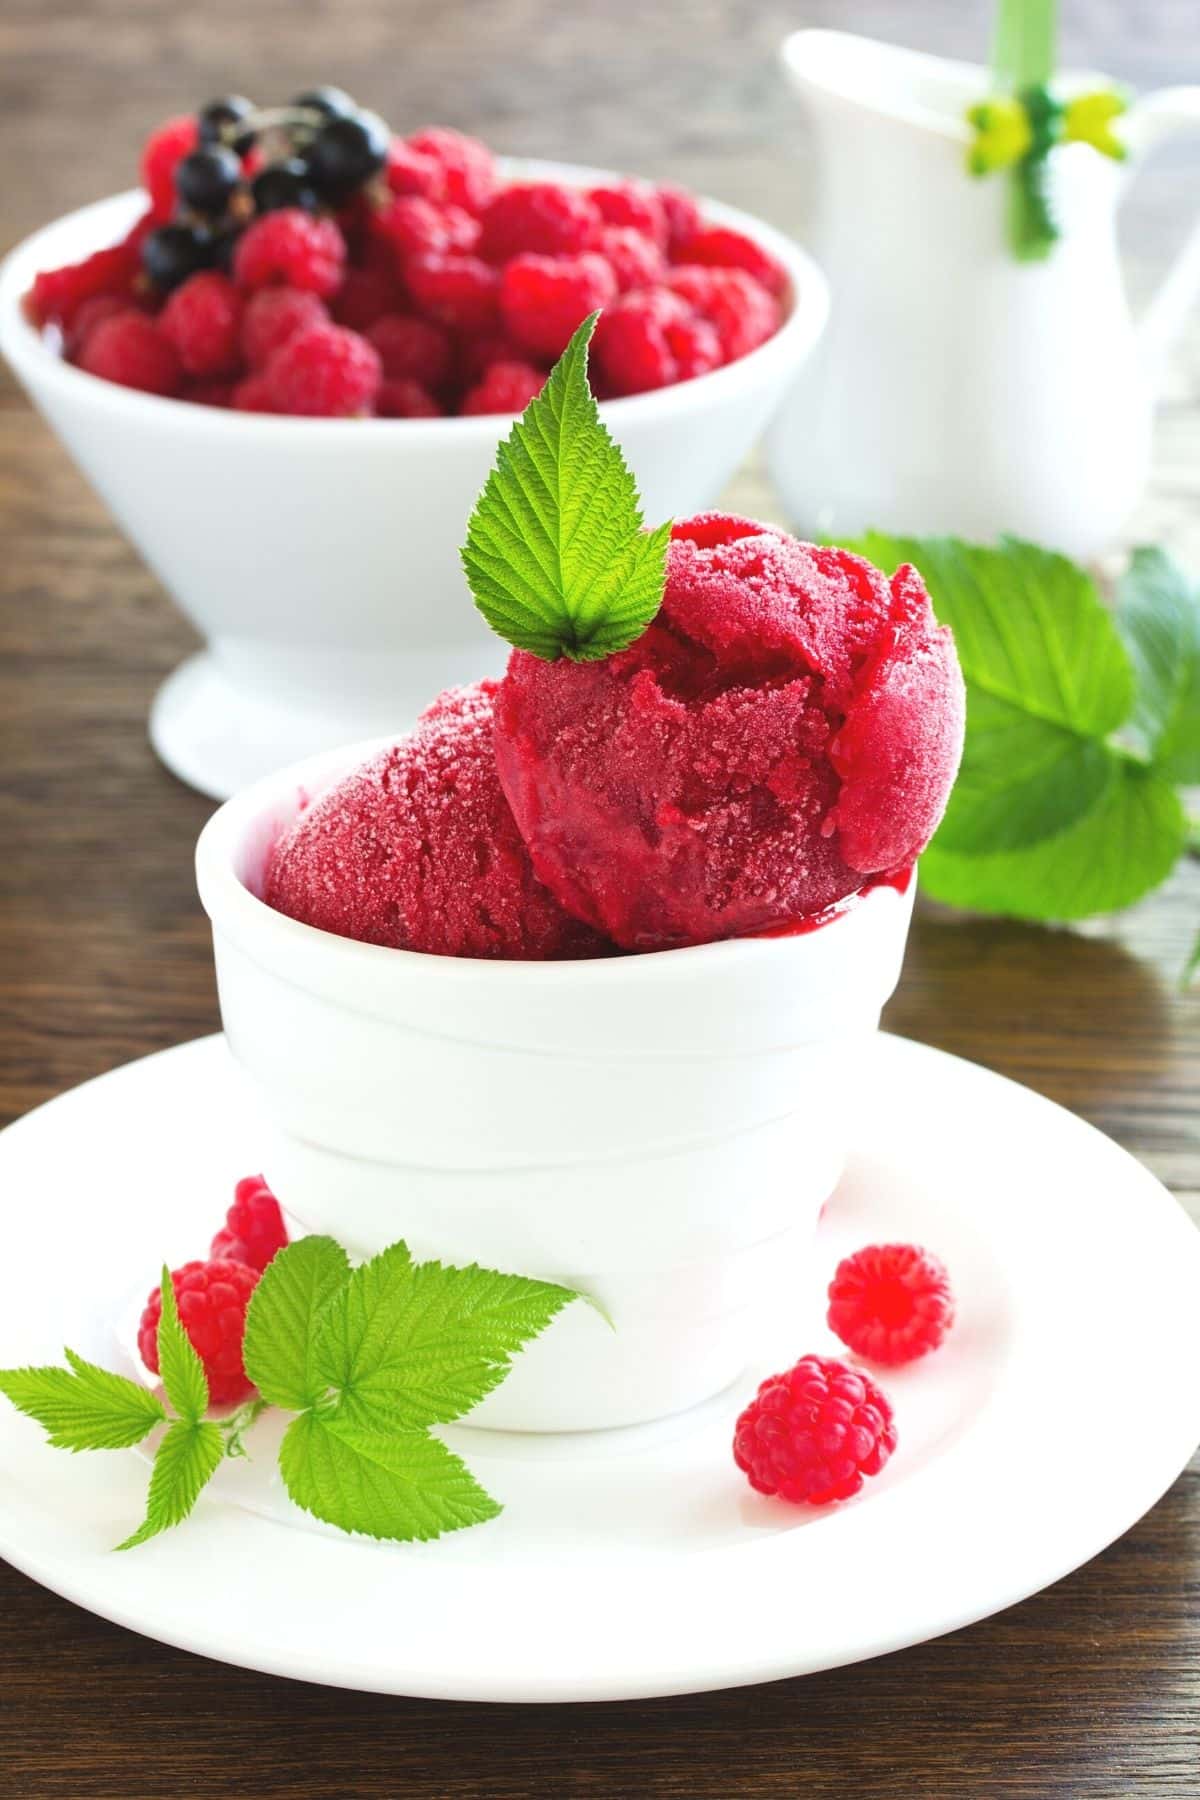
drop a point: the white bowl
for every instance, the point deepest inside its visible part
(658, 1131)
(320, 557)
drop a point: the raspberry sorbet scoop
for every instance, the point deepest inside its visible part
(789, 726)
(418, 850)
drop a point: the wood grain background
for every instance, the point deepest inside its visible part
(1091, 1689)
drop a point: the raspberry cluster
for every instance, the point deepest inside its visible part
(303, 261)
(212, 1296)
(814, 1433)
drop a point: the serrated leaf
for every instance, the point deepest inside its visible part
(282, 1317)
(83, 1407)
(184, 1462)
(1029, 627)
(1020, 780)
(179, 1368)
(1158, 612)
(555, 555)
(407, 1344)
(401, 1485)
(1124, 845)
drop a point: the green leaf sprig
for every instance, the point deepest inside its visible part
(556, 556)
(368, 1359)
(1016, 128)
(1081, 726)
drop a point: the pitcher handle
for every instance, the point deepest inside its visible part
(1149, 121)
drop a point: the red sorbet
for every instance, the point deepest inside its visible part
(789, 726)
(418, 851)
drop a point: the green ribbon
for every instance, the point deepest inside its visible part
(1017, 132)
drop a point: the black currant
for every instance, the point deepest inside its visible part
(331, 102)
(223, 246)
(284, 184)
(173, 252)
(347, 152)
(208, 178)
(216, 118)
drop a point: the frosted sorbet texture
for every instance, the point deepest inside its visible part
(789, 726)
(418, 850)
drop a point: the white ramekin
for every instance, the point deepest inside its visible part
(658, 1131)
(320, 557)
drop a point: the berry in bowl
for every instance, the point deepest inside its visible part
(575, 978)
(286, 365)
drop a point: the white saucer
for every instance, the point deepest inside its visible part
(635, 1563)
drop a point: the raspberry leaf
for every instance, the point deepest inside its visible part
(185, 1460)
(401, 1485)
(408, 1344)
(180, 1369)
(83, 1407)
(1158, 613)
(1051, 817)
(556, 557)
(281, 1320)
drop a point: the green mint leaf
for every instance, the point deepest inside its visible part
(407, 1344)
(1158, 612)
(179, 1368)
(556, 557)
(281, 1320)
(396, 1484)
(1029, 626)
(1124, 846)
(83, 1407)
(1049, 819)
(184, 1461)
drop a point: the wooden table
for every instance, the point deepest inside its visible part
(1090, 1689)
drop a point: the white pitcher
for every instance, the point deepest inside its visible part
(958, 389)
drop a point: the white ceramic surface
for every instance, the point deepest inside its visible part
(633, 1563)
(658, 1131)
(320, 558)
(957, 389)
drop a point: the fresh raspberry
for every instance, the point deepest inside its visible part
(209, 393)
(634, 259)
(649, 340)
(403, 398)
(891, 1302)
(741, 310)
(253, 395)
(681, 212)
(364, 296)
(131, 350)
(212, 1298)
(544, 298)
(507, 387)
(289, 249)
(480, 350)
(812, 1434)
(272, 316)
(695, 347)
(91, 313)
(163, 150)
(416, 227)
(254, 1229)
(455, 290)
(717, 247)
(540, 218)
(203, 320)
(409, 172)
(467, 167)
(632, 205)
(412, 350)
(57, 294)
(324, 372)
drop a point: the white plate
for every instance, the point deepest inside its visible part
(637, 1562)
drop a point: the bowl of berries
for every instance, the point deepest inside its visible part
(287, 360)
